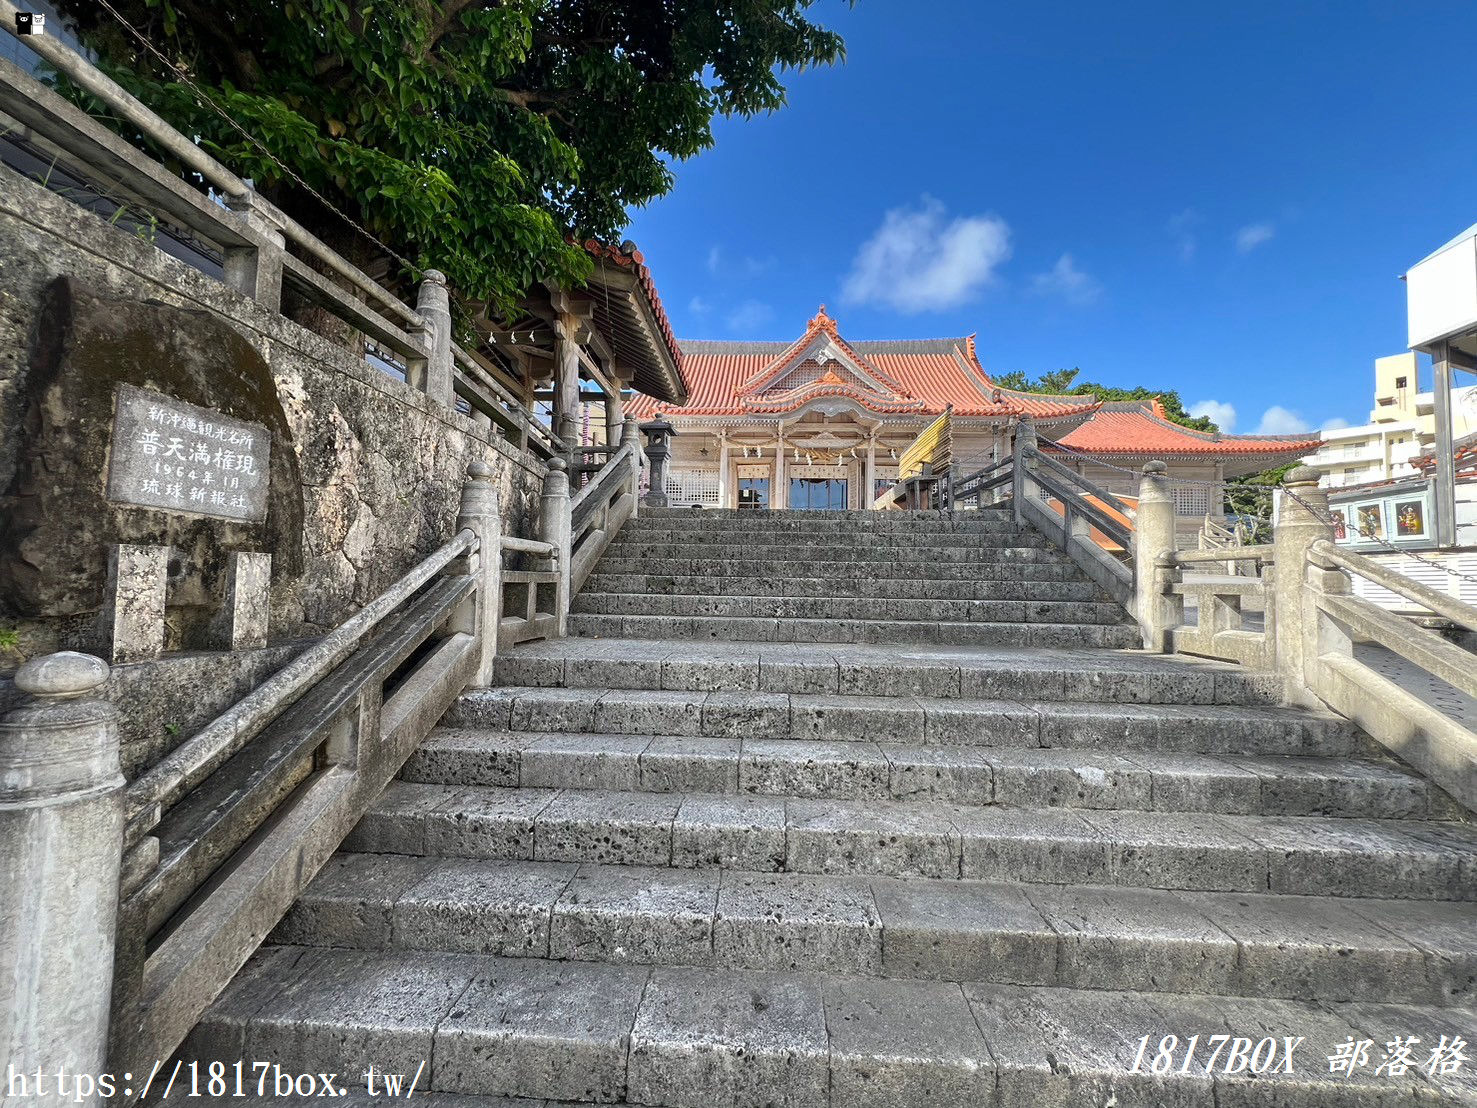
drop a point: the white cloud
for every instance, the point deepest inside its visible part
(1067, 281)
(698, 306)
(746, 267)
(1223, 415)
(1278, 420)
(1253, 235)
(748, 316)
(1182, 228)
(1338, 423)
(919, 260)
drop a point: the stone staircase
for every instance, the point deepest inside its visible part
(863, 577)
(874, 860)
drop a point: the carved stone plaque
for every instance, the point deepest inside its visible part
(177, 457)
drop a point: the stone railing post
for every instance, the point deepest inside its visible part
(554, 527)
(658, 450)
(631, 436)
(433, 305)
(256, 271)
(1302, 519)
(1153, 571)
(480, 510)
(1025, 440)
(61, 842)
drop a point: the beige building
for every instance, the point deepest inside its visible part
(1402, 425)
(820, 423)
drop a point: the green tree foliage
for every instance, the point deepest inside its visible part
(472, 136)
(1061, 382)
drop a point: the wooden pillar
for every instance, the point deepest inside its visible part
(566, 378)
(615, 418)
(779, 494)
(869, 471)
(723, 470)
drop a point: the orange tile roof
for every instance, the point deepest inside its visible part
(908, 377)
(628, 256)
(1139, 427)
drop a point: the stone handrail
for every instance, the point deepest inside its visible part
(193, 761)
(1311, 620)
(1088, 487)
(608, 473)
(604, 505)
(1325, 553)
(530, 546)
(1262, 552)
(225, 832)
(1072, 531)
(253, 235)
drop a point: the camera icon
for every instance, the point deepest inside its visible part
(30, 23)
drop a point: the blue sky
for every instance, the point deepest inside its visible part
(1217, 199)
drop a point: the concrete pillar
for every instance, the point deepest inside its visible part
(481, 511)
(433, 305)
(554, 527)
(242, 623)
(1153, 541)
(1302, 519)
(61, 841)
(658, 451)
(133, 602)
(1025, 440)
(631, 436)
(869, 472)
(1444, 486)
(256, 271)
(723, 470)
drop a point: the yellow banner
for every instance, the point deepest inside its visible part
(934, 444)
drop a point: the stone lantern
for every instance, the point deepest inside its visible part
(658, 434)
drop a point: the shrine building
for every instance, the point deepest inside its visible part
(820, 423)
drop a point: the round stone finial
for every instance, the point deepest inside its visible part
(435, 276)
(479, 470)
(558, 464)
(1301, 475)
(64, 674)
(1155, 469)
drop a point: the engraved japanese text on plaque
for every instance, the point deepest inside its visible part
(181, 458)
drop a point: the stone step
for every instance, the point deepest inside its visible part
(1295, 855)
(673, 517)
(1110, 676)
(1018, 569)
(753, 629)
(1114, 728)
(898, 588)
(849, 608)
(690, 1037)
(1294, 947)
(956, 775)
(1027, 548)
(995, 531)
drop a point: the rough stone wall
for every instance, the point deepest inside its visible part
(377, 466)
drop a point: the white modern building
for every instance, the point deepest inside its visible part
(1402, 426)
